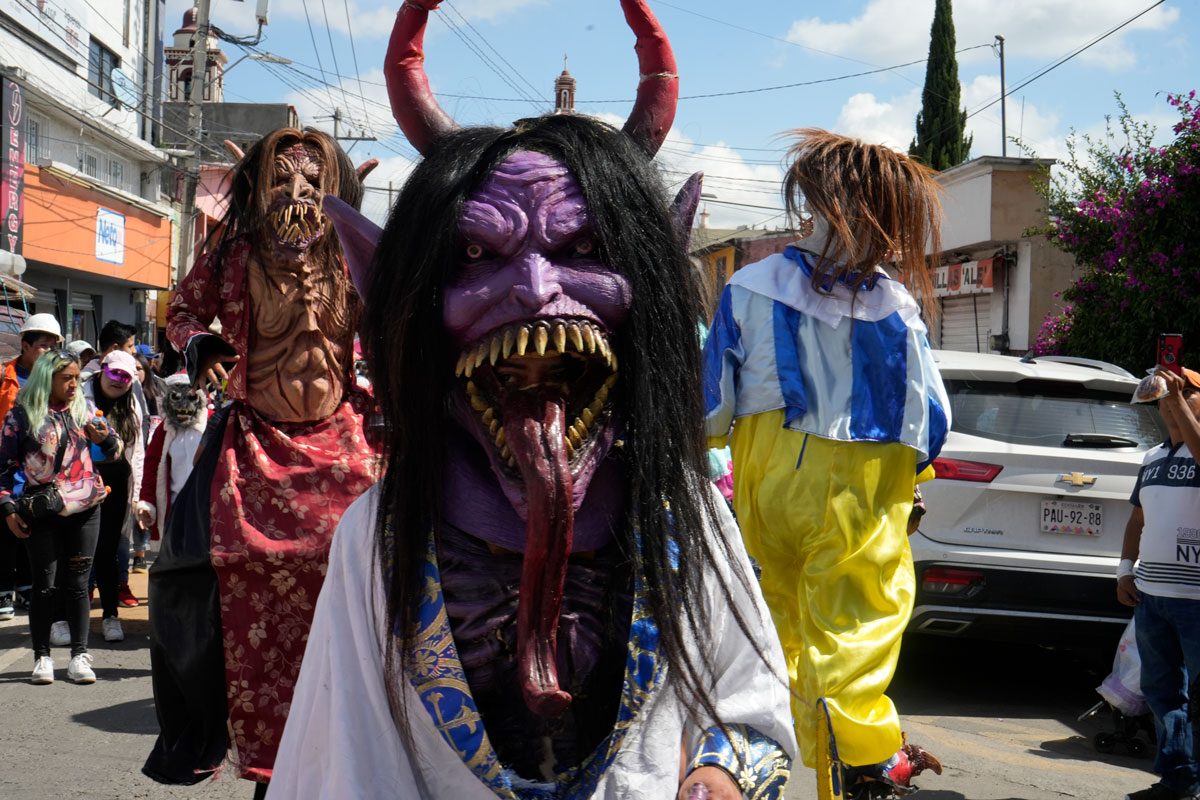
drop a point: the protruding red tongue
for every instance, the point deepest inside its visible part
(534, 425)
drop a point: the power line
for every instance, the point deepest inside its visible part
(1067, 57)
(317, 52)
(333, 51)
(357, 72)
(467, 22)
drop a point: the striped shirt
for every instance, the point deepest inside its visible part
(1168, 492)
(842, 367)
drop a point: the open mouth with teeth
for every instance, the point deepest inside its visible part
(572, 359)
(297, 225)
(539, 395)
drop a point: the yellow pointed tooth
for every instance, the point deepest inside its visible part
(477, 402)
(460, 366)
(580, 429)
(509, 341)
(540, 339)
(472, 389)
(595, 408)
(574, 437)
(560, 338)
(589, 339)
(480, 354)
(612, 362)
(506, 453)
(469, 365)
(493, 427)
(610, 381)
(494, 352)
(512, 462)
(602, 346)
(587, 416)
(570, 447)
(576, 337)
(488, 416)
(500, 438)
(522, 340)
(602, 395)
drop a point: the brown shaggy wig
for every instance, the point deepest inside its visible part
(880, 205)
(254, 174)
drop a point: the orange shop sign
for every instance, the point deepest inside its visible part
(969, 277)
(82, 228)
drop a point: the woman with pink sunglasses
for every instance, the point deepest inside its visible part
(110, 390)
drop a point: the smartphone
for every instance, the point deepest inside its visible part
(1170, 351)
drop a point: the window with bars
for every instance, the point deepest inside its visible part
(101, 63)
(91, 164)
(116, 172)
(35, 128)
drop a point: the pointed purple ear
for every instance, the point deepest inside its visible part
(683, 209)
(359, 237)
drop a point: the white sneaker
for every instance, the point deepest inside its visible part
(60, 634)
(43, 670)
(80, 669)
(112, 630)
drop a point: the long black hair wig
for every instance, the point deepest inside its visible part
(670, 503)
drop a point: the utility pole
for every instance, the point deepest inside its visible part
(337, 137)
(187, 232)
(1003, 94)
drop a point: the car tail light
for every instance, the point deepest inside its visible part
(946, 581)
(952, 469)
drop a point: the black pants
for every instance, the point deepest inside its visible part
(60, 558)
(14, 565)
(112, 523)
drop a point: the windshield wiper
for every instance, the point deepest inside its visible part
(1097, 440)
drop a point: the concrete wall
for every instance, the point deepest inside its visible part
(967, 210)
(244, 123)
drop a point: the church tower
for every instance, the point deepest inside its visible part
(564, 92)
(179, 64)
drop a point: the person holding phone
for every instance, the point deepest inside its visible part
(1163, 538)
(48, 435)
(110, 390)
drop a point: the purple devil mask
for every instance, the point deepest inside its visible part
(532, 310)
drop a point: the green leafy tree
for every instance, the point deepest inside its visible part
(1129, 213)
(940, 142)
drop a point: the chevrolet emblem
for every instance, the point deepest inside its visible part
(1076, 479)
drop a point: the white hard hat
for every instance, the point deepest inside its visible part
(42, 323)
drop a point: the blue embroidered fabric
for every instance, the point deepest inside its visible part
(755, 760)
(440, 681)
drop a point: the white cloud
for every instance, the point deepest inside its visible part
(897, 31)
(888, 122)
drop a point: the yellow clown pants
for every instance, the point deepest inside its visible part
(827, 522)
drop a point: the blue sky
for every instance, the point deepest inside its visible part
(728, 49)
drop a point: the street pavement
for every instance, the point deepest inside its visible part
(1002, 718)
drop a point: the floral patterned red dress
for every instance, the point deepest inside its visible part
(278, 492)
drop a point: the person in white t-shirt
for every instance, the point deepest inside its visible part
(1163, 535)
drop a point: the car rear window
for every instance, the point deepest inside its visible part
(1045, 413)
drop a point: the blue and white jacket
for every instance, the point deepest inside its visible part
(842, 367)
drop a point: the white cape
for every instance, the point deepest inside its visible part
(341, 739)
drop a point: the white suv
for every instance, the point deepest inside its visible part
(1028, 510)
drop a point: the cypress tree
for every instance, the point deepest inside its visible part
(940, 124)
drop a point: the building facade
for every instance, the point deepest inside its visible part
(995, 284)
(82, 203)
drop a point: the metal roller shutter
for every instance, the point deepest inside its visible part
(81, 302)
(965, 323)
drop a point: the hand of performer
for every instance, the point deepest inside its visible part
(709, 783)
(17, 526)
(144, 518)
(213, 371)
(1127, 592)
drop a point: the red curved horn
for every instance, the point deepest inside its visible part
(413, 106)
(658, 89)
